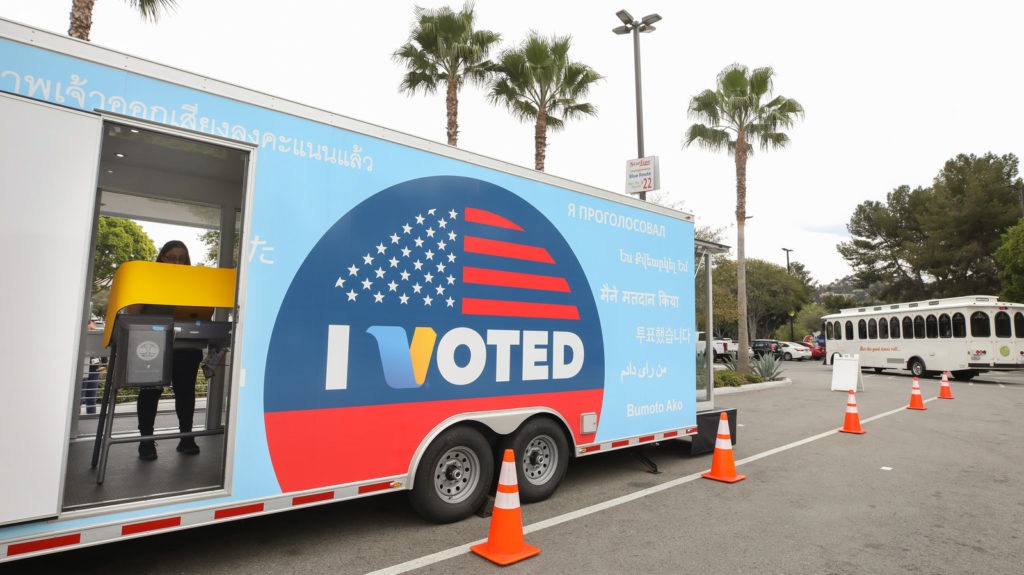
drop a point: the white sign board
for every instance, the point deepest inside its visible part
(846, 373)
(642, 175)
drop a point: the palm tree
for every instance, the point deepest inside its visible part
(733, 115)
(538, 83)
(444, 48)
(81, 14)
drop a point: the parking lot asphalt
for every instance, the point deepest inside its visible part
(937, 491)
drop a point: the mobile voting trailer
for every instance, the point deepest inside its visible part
(402, 309)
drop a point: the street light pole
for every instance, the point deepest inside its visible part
(636, 27)
(791, 314)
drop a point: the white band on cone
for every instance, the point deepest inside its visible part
(506, 500)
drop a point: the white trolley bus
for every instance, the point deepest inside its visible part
(963, 335)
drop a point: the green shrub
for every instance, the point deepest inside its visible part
(726, 378)
(752, 378)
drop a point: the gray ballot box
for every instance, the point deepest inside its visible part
(143, 346)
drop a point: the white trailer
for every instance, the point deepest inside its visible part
(398, 309)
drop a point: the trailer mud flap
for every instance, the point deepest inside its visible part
(707, 430)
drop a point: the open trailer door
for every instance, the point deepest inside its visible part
(49, 154)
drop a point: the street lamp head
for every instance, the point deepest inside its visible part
(651, 19)
(626, 17)
(644, 28)
(622, 30)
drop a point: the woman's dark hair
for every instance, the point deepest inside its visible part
(170, 246)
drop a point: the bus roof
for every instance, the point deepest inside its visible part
(942, 303)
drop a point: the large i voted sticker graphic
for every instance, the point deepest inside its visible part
(434, 297)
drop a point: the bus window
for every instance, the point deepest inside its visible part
(883, 328)
(959, 325)
(849, 330)
(945, 326)
(908, 328)
(837, 329)
(1003, 325)
(828, 330)
(918, 327)
(931, 327)
(894, 328)
(862, 329)
(1018, 324)
(980, 326)
(872, 329)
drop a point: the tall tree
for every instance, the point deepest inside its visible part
(938, 241)
(738, 111)
(81, 14)
(972, 205)
(118, 240)
(444, 48)
(883, 247)
(539, 83)
(1010, 256)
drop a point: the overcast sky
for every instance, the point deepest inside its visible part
(892, 89)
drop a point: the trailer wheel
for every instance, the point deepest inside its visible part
(964, 375)
(916, 367)
(542, 456)
(454, 476)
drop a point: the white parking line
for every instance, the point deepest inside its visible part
(566, 517)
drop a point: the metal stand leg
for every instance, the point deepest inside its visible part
(106, 408)
(651, 466)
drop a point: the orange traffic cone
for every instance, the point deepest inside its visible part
(852, 422)
(945, 392)
(505, 544)
(723, 468)
(915, 398)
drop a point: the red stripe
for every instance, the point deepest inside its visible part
(236, 511)
(475, 245)
(375, 487)
(514, 280)
(646, 438)
(591, 448)
(476, 216)
(502, 308)
(40, 544)
(671, 433)
(620, 443)
(150, 525)
(304, 499)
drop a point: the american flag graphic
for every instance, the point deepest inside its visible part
(469, 260)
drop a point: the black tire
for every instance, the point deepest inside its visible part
(787, 356)
(916, 367)
(879, 369)
(454, 476)
(965, 375)
(542, 457)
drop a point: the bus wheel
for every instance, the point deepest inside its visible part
(964, 375)
(542, 456)
(916, 367)
(454, 476)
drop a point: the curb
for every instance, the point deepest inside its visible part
(753, 386)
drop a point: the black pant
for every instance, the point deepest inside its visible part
(184, 369)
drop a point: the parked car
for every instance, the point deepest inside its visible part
(766, 346)
(817, 352)
(797, 351)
